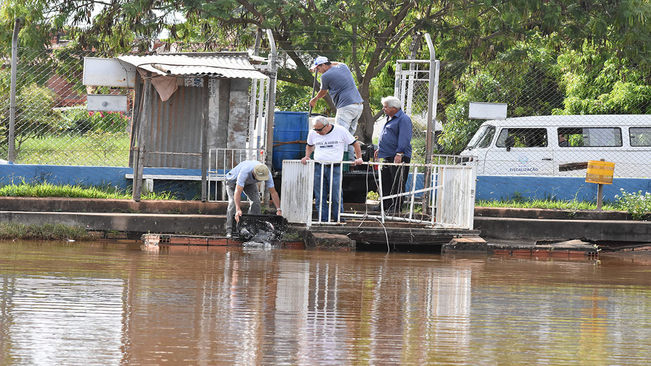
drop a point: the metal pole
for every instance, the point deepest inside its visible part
(432, 96)
(271, 107)
(12, 99)
(204, 138)
(271, 101)
(252, 143)
(600, 193)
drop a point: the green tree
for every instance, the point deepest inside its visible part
(603, 83)
(367, 35)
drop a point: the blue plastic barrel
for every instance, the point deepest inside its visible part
(289, 127)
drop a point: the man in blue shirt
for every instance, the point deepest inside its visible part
(245, 178)
(337, 79)
(394, 146)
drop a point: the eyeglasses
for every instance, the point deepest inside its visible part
(320, 129)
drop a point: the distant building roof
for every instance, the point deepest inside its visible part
(227, 65)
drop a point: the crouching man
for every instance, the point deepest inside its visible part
(245, 178)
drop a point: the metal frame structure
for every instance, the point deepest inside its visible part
(221, 161)
(405, 81)
(451, 191)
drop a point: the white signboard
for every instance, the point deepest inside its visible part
(107, 103)
(481, 110)
(108, 72)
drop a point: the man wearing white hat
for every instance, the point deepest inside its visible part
(337, 79)
(245, 178)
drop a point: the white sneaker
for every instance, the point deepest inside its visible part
(229, 235)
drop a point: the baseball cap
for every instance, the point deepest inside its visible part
(261, 172)
(318, 61)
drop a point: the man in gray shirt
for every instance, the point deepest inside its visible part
(337, 79)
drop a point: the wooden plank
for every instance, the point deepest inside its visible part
(144, 124)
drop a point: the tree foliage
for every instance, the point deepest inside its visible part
(496, 43)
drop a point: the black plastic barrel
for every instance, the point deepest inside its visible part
(289, 127)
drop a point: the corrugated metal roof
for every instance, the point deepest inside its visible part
(184, 65)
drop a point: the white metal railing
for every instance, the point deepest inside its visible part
(221, 161)
(451, 193)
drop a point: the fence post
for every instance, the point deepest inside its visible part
(204, 138)
(432, 101)
(12, 99)
(271, 106)
(144, 124)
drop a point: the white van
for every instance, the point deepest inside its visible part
(543, 145)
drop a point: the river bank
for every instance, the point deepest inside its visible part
(129, 219)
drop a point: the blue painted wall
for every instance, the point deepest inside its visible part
(491, 187)
(99, 176)
(488, 187)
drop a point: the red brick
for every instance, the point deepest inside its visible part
(521, 252)
(576, 253)
(179, 240)
(559, 254)
(218, 242)
(197, 241)
(541, 253)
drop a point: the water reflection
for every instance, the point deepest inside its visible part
(113, 304)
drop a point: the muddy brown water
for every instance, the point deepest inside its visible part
(117, 304)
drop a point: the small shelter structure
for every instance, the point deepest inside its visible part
(188, 103)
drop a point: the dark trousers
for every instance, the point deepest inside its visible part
(394, 181)
(251, 191)
(321, 194)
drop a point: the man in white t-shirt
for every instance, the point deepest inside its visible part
(328, 142)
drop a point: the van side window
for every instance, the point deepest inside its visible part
(640, 136)
(591, 136)
(523, 137)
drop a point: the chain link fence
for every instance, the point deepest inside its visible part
(52, 124)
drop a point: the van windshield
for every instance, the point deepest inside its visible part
(482, 138)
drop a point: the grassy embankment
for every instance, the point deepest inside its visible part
(60, 232)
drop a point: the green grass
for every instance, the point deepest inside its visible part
(92, 149)
(548, 204)
(46, 189)
(44, 232)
